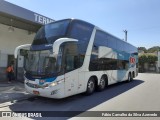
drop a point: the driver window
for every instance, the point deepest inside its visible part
(71, 56)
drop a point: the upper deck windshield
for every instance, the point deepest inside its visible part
(50, 32)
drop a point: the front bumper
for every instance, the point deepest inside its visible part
(50, 92)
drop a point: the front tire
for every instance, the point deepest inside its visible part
(90, 86)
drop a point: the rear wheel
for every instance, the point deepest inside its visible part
(102, 83)
(129, 77)
(133, 75)
(90, 86)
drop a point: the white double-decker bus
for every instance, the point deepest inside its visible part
(72, 56)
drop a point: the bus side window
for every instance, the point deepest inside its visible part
(71, 62)
(126, 65)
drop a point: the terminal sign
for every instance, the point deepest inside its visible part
(41, 19)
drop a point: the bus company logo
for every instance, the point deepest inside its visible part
(54, 92)
(132, 60)
(41, 82)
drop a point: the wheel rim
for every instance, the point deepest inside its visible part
(91, 85)
(102, 83)
(129, 77)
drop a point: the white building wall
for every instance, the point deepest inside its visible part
(10, 40)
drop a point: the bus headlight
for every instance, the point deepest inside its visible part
(26, 81)
(55, 83)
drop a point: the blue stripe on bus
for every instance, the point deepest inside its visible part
(41, 47)
(50, 79)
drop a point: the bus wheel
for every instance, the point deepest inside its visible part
(129, 77)
(102, 84)
(90, 86)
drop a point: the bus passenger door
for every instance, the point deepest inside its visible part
(71, 71)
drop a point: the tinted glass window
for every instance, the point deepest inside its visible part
(112, 42)
(104, 39)
(129, 48)
(50, 32)
(100, 39)
(120, 45)
(126, 47)
(71, 56)
(97, 64)
(82, 32)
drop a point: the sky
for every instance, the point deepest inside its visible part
(141, 18)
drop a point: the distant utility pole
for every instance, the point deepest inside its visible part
(125, 31)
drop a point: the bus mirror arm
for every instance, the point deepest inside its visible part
(16, 53)
(17, 49)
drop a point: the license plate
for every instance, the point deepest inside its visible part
(35, 92)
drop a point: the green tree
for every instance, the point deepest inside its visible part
(153, 49)
(142, 59)
(152, 58)
(150, 50)
(142, 48)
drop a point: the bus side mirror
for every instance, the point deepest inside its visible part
(23, 52)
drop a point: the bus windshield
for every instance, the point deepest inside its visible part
(50, 32)
(40, 63)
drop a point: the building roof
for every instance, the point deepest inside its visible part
(22, 18)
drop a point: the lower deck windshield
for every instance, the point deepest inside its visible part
(41, 63)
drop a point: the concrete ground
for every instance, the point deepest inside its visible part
(142, 94)
(12, 91)
(143, 97)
